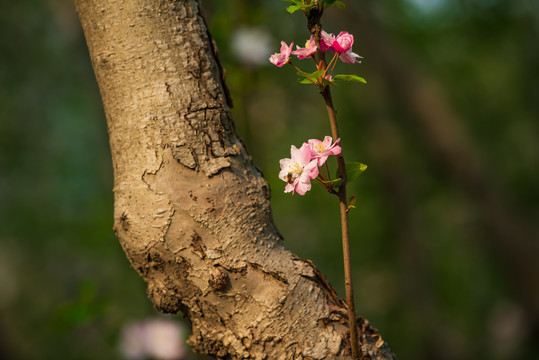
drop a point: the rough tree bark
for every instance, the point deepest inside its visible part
(191, 210)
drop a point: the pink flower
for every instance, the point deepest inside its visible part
(158, 339)
(326, 41)
(308, 50)
(350, 57)
(279, 59)
(343, 42)
(298, 171)
(321, 150)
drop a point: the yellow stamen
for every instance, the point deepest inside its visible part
(320, 148)
(295, 172)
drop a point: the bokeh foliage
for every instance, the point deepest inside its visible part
(428, 251)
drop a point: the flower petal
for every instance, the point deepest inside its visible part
(302, 187)
(311, 170)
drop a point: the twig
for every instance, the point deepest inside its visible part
(315, 28)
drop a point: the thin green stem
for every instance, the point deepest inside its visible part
(298, 69)
(328, 187)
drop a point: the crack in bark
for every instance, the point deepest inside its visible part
(274, 274)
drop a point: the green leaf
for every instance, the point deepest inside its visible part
(298, 6)
(292, 8)
(310, 76)
(353, 170)
(328, 3)
(305, 81)
(354, 78)
(313, 75)
(351, 203)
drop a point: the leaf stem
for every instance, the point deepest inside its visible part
(298, 69)
(327, 170)
(323, 175)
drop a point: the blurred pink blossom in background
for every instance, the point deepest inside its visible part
(157, 338)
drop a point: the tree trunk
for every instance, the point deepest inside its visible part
(191, 210)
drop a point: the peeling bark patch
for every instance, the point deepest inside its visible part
(316, 276)
(163, 277)
(371, 343)
(184, 155)
(218, 279)
(210, 154)
(274, 274)
(198, 245)
(164, 300)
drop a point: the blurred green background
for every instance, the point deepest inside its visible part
(445, 234)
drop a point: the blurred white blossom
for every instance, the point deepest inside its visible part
(251, 45)
(159, 339)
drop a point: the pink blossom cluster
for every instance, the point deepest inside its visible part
(340, 44)
(302, 166)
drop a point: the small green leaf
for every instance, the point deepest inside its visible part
(353, 170)
(328, 3)
(298, 6)
(305, 81)
(312, 75)
(350, 78)
(292, 8)
(352, 201)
